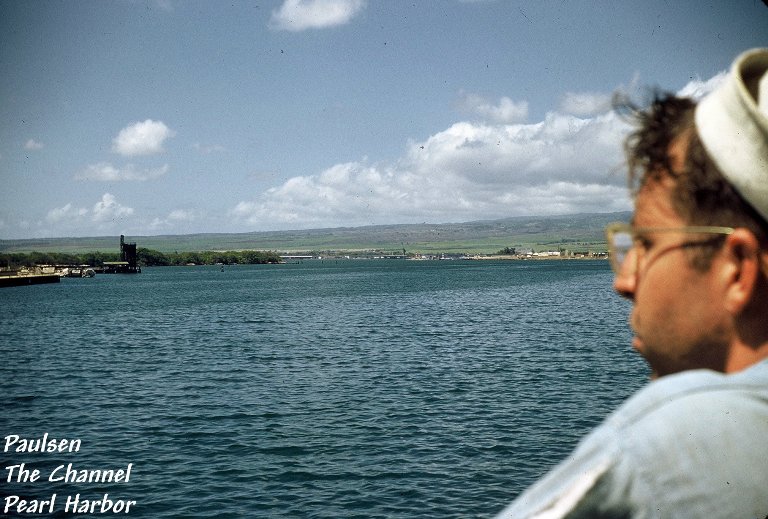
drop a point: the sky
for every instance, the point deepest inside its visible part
(156, 117)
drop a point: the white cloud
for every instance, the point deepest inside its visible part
(505, 112)
(108, 209)
(106, 215)
(585, 103)
(298, 15)
(174, 219)
(182, 215)
(142, 138)
(698, 88)
(106, 172)
(493, 166)
(68, 212)
(32, 144)
(469, 171)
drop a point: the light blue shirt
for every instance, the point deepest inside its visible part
(693, 444)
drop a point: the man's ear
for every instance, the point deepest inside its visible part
(742, 270)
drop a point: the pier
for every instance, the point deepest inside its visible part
(18, 279)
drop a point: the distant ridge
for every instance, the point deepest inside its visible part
(576, 232)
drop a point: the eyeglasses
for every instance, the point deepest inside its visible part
(623, 238)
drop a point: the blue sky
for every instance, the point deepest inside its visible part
(147, 117)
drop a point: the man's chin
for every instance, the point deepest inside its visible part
(639, 347)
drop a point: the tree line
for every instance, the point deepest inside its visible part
(145, 258)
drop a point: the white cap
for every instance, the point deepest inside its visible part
(732, 123)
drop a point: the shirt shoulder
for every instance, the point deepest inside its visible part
(683, 391)
(684, 445)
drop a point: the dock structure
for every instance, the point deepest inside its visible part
(128, 263)
(17, 279)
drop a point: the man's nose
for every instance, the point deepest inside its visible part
(625, 280)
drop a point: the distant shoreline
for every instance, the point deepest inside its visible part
(576, 233)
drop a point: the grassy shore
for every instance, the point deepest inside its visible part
(575, 233)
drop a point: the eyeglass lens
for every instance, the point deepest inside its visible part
(622, 243)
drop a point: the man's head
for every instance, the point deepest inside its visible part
(666, 145)
(699, 291)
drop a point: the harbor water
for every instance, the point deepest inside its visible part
(380, 388)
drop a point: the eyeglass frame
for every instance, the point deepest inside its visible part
(617, 260)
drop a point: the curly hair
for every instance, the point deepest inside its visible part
(701, 194)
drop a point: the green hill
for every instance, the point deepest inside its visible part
(581, 232)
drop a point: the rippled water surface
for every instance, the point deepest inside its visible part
(322, 389)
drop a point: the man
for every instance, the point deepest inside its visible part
(694, 263)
